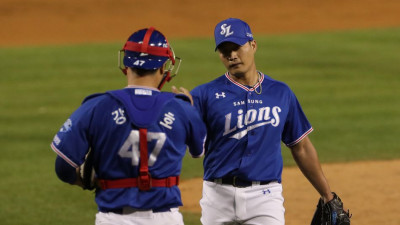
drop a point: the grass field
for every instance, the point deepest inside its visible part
(347, 82)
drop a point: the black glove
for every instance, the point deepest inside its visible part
(87, 172)
(331, 213)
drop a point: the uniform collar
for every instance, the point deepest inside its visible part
(246, 88)
(142, 87)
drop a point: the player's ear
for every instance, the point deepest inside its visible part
(253, 45)
(128, 70)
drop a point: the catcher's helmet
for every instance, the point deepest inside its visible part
(149, 49)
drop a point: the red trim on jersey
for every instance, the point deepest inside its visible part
(134, 182)
(243, 86)
(301, 137)
(58, 152)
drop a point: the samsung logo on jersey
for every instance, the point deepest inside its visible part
(252, 119)
(143, 92)
(249, 101)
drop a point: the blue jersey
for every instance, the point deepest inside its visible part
(108, 124)
(245, 129)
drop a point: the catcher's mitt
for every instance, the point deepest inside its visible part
(331, 213)
(87, 172)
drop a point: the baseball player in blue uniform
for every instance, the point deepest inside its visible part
(133, 138)
(248, 114)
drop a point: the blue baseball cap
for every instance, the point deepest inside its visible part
(232, 30)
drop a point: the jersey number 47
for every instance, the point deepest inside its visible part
(130, 148)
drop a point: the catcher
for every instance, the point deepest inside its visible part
(133, 138)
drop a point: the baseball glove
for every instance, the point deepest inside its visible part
(331, 213)
(87, 173)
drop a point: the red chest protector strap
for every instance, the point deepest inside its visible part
(144, 180)
(144, 175)
(134, 182)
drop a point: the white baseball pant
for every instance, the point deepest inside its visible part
(174, 217)
(255, 205)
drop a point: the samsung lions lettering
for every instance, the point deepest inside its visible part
(250, 101)
(252, 119)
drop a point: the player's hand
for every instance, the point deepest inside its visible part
(184, 91)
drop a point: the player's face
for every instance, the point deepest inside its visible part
(237, 59)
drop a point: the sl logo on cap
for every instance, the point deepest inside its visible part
(225, 30)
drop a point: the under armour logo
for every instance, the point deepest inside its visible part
(217, 95)
(266, 191)
(225, 30)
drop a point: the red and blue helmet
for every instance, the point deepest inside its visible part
(148, 49)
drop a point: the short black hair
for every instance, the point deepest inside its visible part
(143, 72)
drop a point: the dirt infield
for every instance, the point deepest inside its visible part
(370, 189)
(35, 22)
